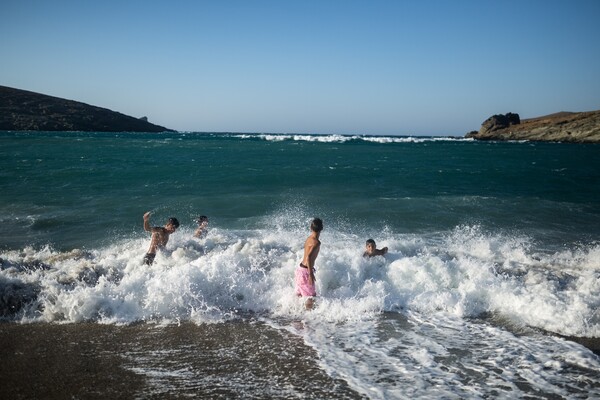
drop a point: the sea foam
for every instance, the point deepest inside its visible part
(465, 273)
(335, 138)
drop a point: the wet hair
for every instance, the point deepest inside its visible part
(370, 241)
(201, 219)
(316, 225)
(173, 221)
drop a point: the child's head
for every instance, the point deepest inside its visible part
(316, 225)
(202, 220)
(370, 245)
(172, 224)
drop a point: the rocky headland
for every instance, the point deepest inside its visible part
(21, 110)
(574, 127)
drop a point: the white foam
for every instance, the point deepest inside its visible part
(441, 356)
(465, 273)
(336, 138)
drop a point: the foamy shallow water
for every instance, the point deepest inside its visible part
(436, 356)
(465, 273)
(451, 315)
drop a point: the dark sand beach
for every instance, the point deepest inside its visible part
(224, 360)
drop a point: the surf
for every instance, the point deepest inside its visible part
(466, 273)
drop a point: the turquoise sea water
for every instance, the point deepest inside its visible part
(494, 257)
(81, 189)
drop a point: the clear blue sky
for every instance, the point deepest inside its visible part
(350, 67)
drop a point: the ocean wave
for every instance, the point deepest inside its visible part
(348, 138)
(464, 273)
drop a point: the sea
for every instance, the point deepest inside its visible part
(490, 287)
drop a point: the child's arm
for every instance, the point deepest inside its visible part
(380, 252)
(147, 226)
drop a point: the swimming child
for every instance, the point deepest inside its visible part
(372, 250)
(160, 236)
(202, 226)
(305, 272)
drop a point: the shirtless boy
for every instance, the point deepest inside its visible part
(305, 272)
(160, 236)
(202, 226)
(372, 250)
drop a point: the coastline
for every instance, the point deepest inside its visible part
(22, 110)
(591, 343)
(232, 359)
(566, 127)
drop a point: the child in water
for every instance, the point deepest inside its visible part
(202, 226)
(160, 236)
(372, 250)
(305, 272)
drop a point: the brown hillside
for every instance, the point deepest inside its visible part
(21, 110)
(577, 127)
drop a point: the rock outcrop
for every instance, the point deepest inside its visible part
(576, 127)
(499, 121)
(21, 110)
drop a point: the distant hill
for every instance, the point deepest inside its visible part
(21, 110)
(576, 127)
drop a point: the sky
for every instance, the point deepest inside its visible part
(430, 67)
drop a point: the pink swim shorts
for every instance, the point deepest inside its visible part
(303, 286)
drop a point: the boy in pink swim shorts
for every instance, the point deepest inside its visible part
(305, 272)
(304, 288)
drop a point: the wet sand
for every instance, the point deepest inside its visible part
(591, 343)
(237, 359)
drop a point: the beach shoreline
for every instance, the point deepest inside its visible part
(591, 343)
(223, 360)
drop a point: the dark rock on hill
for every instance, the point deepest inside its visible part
(21, 110)
(576, 127)
(496, 122)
